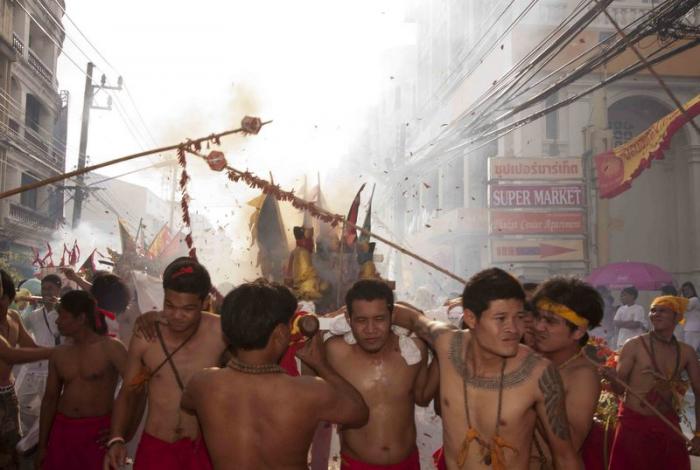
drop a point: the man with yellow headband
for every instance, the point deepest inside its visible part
(652, 365)
(567, 308)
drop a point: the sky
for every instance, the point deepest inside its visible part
(313, 67)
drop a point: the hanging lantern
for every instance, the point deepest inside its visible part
(216, 160)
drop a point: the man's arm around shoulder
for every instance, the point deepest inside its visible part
(430, 331)
(334, 397)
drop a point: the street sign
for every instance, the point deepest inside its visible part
(543, 250)
(550, 168)
(514, 196)
(511, 222)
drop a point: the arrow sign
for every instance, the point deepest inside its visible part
(503, 250)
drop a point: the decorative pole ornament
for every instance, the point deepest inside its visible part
(251, 125)
(216, 160)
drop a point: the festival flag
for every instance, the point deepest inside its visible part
(49, 256)
(367, 225)
(63, 255)
(37, 259)
(267, 230)
(128, 242)
(174, 248)
(74, 254)
(350, 235)
(88, 267)
(159, 242)
(616, 168)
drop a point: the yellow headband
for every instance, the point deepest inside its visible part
(677, 304)
(562, 311)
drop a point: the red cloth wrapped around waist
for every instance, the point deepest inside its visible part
(412, 462)
(647, 423)
(184, 454)
(73, 442)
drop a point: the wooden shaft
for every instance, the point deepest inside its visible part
(87, 169)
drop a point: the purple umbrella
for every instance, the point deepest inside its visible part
(643, 276)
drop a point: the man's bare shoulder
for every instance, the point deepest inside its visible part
(687, 352)
(14, 316)
(112, 344)
(581, 373)
(632, 345)
(337, 345)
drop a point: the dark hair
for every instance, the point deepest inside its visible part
(53, 279)
(8, 285)
(528, 286)
(110, 292)
(580, 297)
(669, 289)
(79, 301)
(631, 291)
(369, 289)
(251, 311)
(691, 286)
(185, 275)
(487, 285)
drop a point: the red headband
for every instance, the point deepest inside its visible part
(181, 271)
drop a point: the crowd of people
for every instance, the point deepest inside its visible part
(207, 384)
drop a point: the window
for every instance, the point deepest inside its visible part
(33, 114)
(552, 119)
(28, 198)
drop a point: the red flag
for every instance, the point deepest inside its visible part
(63, 255)
(350, 235)
(49, 255)
(74, 254)
(37, 260)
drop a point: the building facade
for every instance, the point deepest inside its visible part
(33, 126)
(442, 198)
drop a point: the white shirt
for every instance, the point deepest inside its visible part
(630, 313)
(41, 323)
(692, 315)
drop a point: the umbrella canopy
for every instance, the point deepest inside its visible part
(643, 276)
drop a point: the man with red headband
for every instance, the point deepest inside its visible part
(652, 365)
(189, 341)
(566, 309)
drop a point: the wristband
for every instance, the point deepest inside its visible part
(115, 440)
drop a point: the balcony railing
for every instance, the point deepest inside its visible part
(27, 216)
(17, 44)
(38, 66)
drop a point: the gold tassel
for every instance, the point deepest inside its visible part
(472, 434)
(498, 458)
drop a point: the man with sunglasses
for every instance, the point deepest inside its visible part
(652, 365)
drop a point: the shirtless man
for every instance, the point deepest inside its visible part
(12, 334)
(504, 385)
(567, 309)
(83, 376)
(652, 364)
(254, 415)
(389, 385)
(190, 341)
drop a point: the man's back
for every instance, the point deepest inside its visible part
(388, 386)
(257, 421)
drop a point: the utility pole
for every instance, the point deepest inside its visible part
(88, 97)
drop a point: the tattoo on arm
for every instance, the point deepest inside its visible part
(552, 388)
(456, 354)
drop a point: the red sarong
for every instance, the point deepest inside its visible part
(185, 454)
(412, 462)
(645, 442)
(73, 443)
(593, 448)
(439, 459)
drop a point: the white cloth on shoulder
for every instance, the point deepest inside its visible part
(409, 350)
